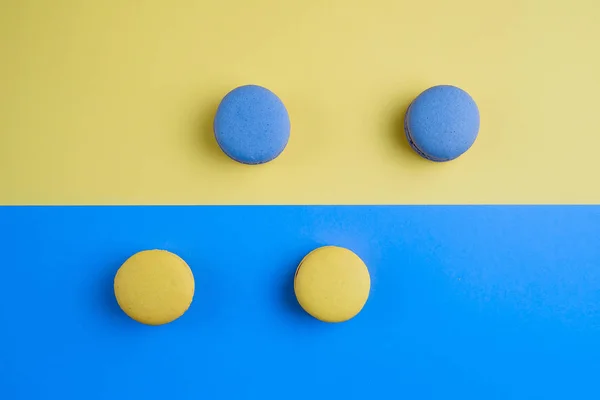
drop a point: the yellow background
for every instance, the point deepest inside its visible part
(111, 102)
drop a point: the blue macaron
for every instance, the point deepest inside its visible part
(252, 125)
(442, 123)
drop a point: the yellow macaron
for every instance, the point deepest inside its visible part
(332, 284)
(154, 287)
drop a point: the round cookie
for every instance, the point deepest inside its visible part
(442, 123)
(332, 284)
(252, 125)
(154, 287)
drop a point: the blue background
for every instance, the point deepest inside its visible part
(467, 302)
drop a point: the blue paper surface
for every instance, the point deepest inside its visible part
(467, 302)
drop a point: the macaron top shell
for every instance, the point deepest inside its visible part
(332, 284)
(252, 125)
(442, 123)
(154, 287)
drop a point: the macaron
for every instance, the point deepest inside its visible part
(154, 287)
(252, 125)
(332, 284)
(442, 123)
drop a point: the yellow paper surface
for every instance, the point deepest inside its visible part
(111, 102)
